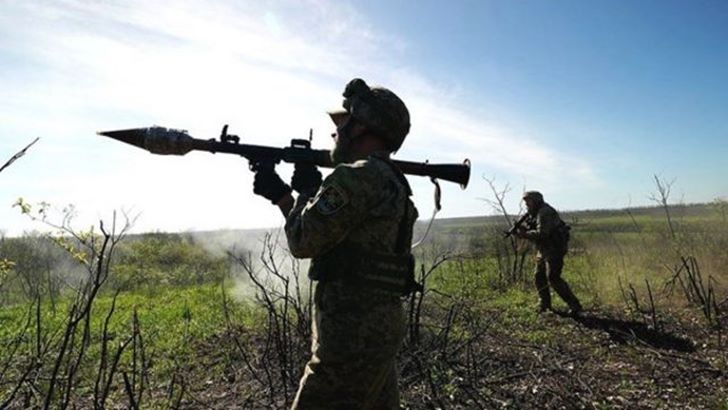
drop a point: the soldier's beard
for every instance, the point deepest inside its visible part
(341, 153)
(533, 209)
(343, 150)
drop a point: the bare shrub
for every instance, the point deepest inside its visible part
(510, 254)
(684, 268)
(50, 376)
(285, 297)
(442, 354)
(17, 155)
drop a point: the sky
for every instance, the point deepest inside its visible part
(582, 100)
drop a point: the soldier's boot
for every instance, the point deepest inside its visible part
(575, 310)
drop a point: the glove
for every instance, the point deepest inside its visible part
(267, 183)
(306, 178)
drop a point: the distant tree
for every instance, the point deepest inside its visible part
(34, 262)
(721, 205)
(6, 266)
(168, 259)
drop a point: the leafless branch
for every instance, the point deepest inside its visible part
(18, 155)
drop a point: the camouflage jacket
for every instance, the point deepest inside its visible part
(545, 229)
(362, 204)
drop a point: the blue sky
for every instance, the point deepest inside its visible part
(636, 87)
(583, 100)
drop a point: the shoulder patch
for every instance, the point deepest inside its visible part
(331, 200)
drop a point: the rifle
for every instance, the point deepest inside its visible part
(516, 225)
(169, 141)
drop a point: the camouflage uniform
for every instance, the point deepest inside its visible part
(546, 230)
(357, 329)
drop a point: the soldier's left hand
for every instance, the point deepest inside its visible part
(267, 183)
(306, 178)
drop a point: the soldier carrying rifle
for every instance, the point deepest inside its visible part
(543, 226)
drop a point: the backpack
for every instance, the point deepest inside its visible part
(563, 235)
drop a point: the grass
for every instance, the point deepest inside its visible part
(173, 322)
(615, 351)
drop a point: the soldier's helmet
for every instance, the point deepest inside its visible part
(534, 195)
(379, 109)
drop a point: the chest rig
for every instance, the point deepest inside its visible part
(388, 271)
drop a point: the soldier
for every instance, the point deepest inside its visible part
(551, 235)
(357, 228)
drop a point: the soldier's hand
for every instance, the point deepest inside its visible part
(267, 183)
(520, 232)
(306, 178)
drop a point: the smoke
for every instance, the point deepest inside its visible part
(262, 253)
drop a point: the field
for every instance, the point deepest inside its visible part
(222, 319)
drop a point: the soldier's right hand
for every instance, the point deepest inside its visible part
(306, 178)
(267, 183)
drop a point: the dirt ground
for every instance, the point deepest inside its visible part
(599, 360)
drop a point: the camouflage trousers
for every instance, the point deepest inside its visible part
(356, 336)
(548, 271)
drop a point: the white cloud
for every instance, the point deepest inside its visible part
(270, 69)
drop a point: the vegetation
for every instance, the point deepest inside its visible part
(103, 319)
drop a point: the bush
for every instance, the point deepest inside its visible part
(166, 259)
